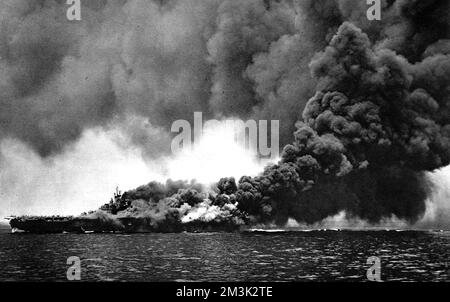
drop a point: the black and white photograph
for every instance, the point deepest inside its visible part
(232, 142)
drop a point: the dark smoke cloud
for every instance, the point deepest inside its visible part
(163, 60)
(157, 61)
(244, 29)
(368, 101)
(126, 58)
(371, 124)
(154, 192)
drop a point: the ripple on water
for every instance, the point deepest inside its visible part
(278, 256)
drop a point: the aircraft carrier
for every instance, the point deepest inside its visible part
(52, 225)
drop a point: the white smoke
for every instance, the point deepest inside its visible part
(437, 215)
(82, 178)
(216, 155)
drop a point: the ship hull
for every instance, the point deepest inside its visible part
(118, 225)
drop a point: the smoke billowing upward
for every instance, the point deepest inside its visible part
(368, 101)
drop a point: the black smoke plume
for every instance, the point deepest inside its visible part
(367, 101)
(374, 126)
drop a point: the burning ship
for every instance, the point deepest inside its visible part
(371, 116)
(122, 215)
(81, 225)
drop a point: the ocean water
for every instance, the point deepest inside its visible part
(271, 256)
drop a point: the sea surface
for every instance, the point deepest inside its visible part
(264, 256)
